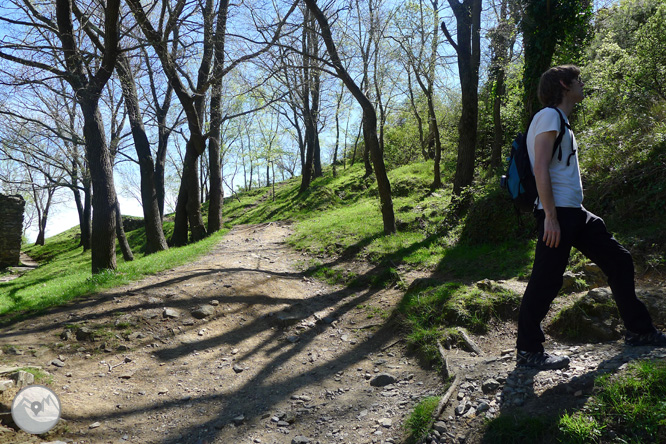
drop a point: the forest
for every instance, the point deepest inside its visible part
(321, 209)
(181, 104)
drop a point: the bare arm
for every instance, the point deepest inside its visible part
(543, 152)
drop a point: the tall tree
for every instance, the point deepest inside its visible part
(545, 24)
(502, 38)
(214, 149)
(155, 240)
(193, 96)
(468, 48)
(421, 61)
(87, 76)
(310, 85)
(369, 119)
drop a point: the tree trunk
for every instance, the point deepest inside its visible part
(369, 121)
(316, 93)
(498, 131)
(214, 149)
(310, 134)
(120, 233)
(103, 238)
(86, 217)
(155, 240)
(468, 19)
(189, 204)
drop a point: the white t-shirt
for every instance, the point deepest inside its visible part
(566, 182)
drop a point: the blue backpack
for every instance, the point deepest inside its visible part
(519, 179)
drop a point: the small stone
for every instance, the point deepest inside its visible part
(383, 379)
(385, 422)
(440, 426)
(238, 369)
(14, 351)
(238, 420)
(215, 303)
(482, 407)
(301, 440)
(6, 384)
(293, 339)
(85, 334)
(57, 363)
(170, 313)
(489, 385)
(203, 311)
(94, 425)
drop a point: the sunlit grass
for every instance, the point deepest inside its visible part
(64, 273)
(420, 419)
(627, 407)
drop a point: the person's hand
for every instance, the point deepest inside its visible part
(551, 232)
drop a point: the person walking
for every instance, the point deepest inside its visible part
(563, 223)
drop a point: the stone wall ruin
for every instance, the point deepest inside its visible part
(11, 229)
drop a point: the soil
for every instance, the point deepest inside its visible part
(241, 347)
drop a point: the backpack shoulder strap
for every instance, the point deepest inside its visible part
(560, 135)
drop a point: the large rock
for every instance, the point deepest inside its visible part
(592, 318)
(11, 229)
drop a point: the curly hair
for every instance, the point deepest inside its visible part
(551, 91)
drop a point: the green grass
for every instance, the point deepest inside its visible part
(64, 272)
(430, 310)
(420, 419)
(627, 407)
(633, 404)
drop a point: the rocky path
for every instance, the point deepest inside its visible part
(238, 347)
(241, 347)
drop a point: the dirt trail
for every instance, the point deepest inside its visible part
(277, 356)
(241, 347)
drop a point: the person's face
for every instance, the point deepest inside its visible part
(575, 91)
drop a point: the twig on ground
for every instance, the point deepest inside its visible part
(125, 361)
(386, 347)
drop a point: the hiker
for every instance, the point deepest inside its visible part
(563, 222)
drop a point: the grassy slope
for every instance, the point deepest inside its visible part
(64, 273)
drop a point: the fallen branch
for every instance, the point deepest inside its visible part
(470, 343)
(446, 372)
(445, 399)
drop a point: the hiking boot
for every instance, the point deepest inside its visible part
(655, 338)
(541, 360)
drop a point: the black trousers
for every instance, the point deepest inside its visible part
(587, 233)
